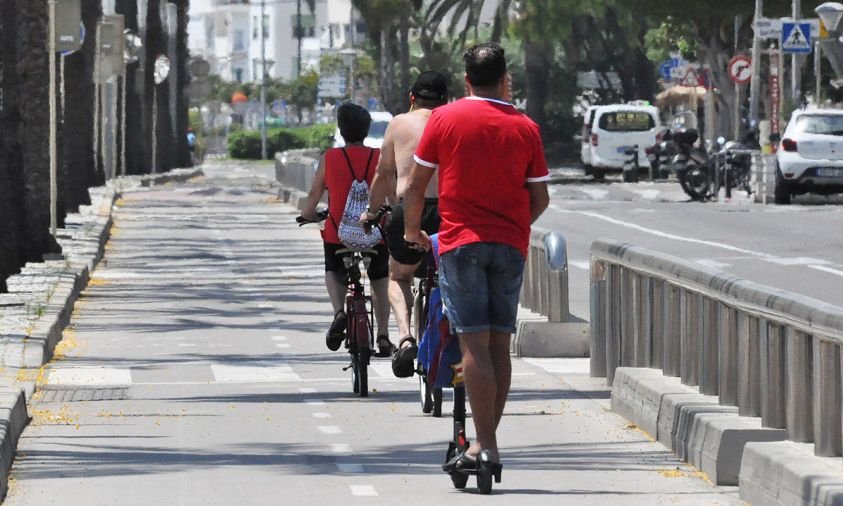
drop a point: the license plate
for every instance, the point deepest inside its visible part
(830, 172)
(623, 149)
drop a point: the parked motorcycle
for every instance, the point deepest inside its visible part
(677, 153)
(730, 167)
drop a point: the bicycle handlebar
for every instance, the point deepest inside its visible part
(321, 215)
(382, 211)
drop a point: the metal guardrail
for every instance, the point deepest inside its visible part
(545, 288)
(773, 354)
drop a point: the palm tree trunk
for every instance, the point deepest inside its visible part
(183, 76)
(78, 169)
(404, 30)
(387, 68)
(538, 56)
(136, 142)
(33, 74)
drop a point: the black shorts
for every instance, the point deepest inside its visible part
(378, 269)
(395, 231)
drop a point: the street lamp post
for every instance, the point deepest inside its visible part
(263, 80)
(53, 126)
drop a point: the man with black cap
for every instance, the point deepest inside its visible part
(400, 141)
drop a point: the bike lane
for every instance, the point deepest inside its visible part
(195, 372)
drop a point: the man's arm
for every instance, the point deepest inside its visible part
(414, 205)
(385, 181)
(539, 199)
(308, 209)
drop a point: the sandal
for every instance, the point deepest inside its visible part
(336, 333)
(403, 362)
(385, 347)
(461, 462)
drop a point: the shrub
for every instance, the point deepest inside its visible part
(246, 145)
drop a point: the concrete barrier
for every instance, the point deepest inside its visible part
(294, 170)
(545, 291)
(772, 354)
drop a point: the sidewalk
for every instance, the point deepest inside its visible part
(195, 372)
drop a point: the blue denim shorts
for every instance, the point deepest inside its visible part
(481, 285)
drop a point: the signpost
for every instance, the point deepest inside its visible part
(796, 38)
(775, 92)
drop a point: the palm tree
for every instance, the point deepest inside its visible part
(33, 105)
(136, 142)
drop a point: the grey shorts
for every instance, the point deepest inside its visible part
(481, 285)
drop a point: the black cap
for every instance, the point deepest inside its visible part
(431, 85)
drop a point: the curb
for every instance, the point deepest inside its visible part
(41, 299)
(696, 427)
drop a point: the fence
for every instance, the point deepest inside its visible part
(773, 354)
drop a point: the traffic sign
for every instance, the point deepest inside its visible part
(740, 70)
(767, 28)
(664, 69)
(796, 37)
(691, 79)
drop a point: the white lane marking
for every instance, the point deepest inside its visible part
(282, 346)
(350, 468)
(580, 265)
(266, 306)
(675, 237)
(797, 261)
(279, 338)
(321, 415)
(342, 448)
(242, 373)
(714, 264)
(382, 370)
(90, 376)
(186, 345)
(827, 269)
(561, 365)
(310, 273)
(523, 374)
(307, 390)
(595, 193)
(329, 429)
(314, 402)
(363, 491)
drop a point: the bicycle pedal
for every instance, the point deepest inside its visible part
(349, 366)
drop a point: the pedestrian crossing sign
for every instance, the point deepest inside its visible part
(796, 37)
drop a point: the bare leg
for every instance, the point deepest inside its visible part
(401, 295)
(336, 291)
(380, 305)
(481, 383)
(499, 350)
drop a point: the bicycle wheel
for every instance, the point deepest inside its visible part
(425, 395)
(363, 372)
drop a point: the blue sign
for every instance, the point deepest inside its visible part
(796, 37)
(664, 69)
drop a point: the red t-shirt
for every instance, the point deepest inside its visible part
(486, 152)
(338, 179)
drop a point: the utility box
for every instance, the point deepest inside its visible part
(69, 28)
(111, 44)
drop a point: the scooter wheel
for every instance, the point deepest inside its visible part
(484, 481)
(459, 480)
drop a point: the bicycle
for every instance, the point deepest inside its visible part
(430, 397)
(359, 335)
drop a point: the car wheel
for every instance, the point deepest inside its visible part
(781, 193)
(630, 176)
(598, 174)
(588, 170)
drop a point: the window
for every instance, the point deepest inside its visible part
(254, 28)
(266, 25)
(627, 121)
(308, 26)
(238, 75)
(239, 40)
(820, 124)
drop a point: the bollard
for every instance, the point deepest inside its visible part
(826, 401)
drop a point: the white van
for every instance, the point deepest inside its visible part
(610, 130)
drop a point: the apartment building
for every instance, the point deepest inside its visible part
(230, 34)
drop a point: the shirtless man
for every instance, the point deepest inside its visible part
(399, 145)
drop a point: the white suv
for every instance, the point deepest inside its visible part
(380, 120)
(612, 130)
(810, 155)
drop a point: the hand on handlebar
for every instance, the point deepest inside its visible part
(418, 241)
(369, 220)
(317, 218)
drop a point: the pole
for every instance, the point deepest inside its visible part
(124, 96)
(299, 35)
(796, 69)
(62, 86)
(263, 79)
(154, 128)
(352, 27)
(53, 120)
(113, 120)
(737, 111)
(818, 73)
(97, 72)
(755, 83)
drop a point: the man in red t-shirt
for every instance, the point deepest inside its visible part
(492, 187)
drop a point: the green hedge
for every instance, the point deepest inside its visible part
(246, 145)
